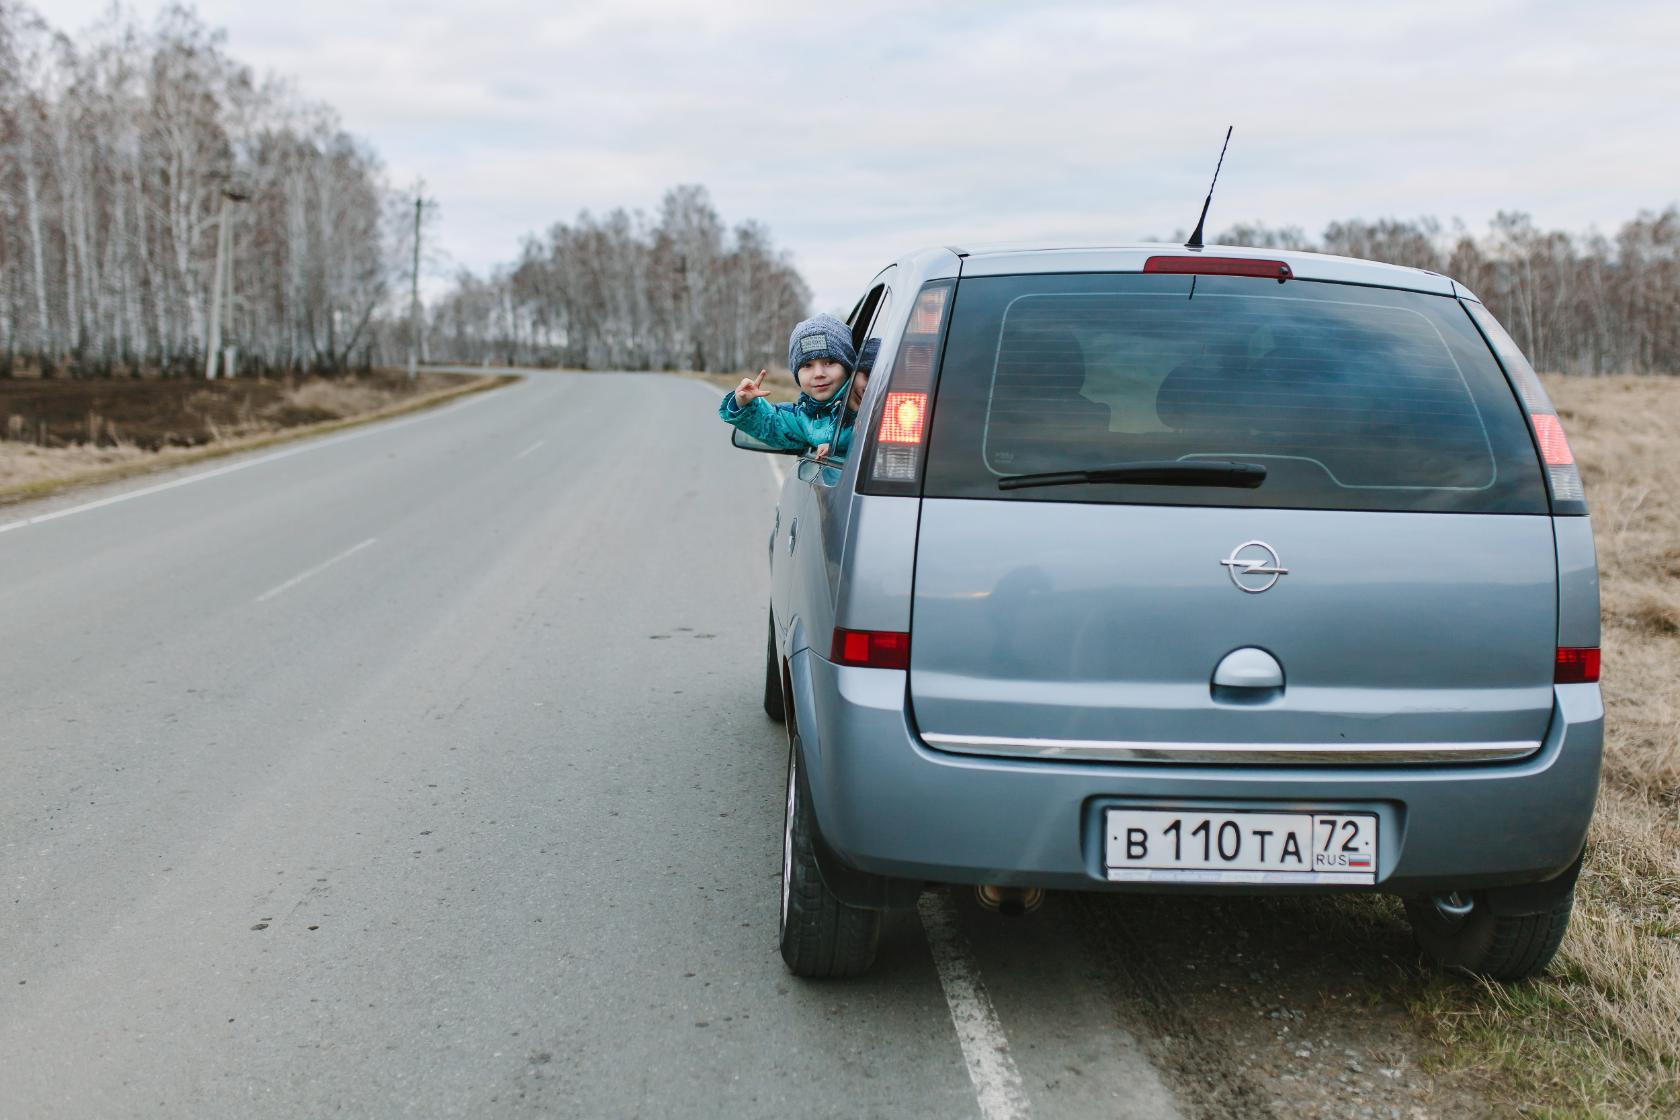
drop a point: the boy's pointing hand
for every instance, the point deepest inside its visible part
(750, 388)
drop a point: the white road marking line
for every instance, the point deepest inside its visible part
(315, 571)
(529, 449)
(985, 1048)
(372, 429)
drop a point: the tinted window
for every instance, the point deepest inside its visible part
(1352, 397)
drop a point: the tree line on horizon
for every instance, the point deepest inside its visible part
(117, 151)
(1587, 304)
(612, 293)
(628, 292)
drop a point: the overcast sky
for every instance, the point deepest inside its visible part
(861, 131)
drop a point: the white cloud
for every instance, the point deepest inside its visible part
(861, 131)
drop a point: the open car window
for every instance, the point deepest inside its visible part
(867, 327)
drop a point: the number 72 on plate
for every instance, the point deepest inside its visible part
(1151, 845)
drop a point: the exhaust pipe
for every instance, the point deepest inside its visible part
(1454, 906)
(1013, 901)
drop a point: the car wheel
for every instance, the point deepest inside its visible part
(820, 936)
(1463, 932)
(773, 677)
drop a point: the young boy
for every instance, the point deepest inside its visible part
(821, 357)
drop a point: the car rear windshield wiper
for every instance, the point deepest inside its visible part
(1166, 472)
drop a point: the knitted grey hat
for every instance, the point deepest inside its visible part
(867, 355)
(822, 336)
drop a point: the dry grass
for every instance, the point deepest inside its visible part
(24, 464)
(1623, 432)
(331, 399)
(1600, 1034)
(312, 408)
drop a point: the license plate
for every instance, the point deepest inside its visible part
(1161, 846)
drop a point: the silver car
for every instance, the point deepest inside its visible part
(1152, 569)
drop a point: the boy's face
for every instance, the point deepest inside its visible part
(860, 382)
(821, 378)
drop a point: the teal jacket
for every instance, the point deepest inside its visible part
(803, 425)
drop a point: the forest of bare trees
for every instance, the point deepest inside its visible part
(622, 292)
(116, 152)
(1575, 304)
(120, 151)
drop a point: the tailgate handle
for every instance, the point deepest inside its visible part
(1248, 668)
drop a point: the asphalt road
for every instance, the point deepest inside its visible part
(419, 770)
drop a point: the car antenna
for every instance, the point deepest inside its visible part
(1195, 241)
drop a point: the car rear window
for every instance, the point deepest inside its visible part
(1352, 397)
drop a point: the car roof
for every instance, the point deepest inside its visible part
(1007, 259)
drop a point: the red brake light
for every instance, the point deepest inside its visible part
(902, 417)
(1554, 449)
(1220, 266)
(873, 649)
(1576, 665)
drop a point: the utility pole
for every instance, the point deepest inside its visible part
(414, 300)
(213, 350)
(230, 351)
(224, 268)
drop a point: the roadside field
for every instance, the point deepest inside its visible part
(60, 432)
(1599, 1035)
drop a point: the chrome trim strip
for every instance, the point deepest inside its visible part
(1106, 750)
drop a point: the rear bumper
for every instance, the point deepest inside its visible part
(886, 804)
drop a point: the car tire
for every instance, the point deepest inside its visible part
(773, 706)
(819, 936)
(1487, 944)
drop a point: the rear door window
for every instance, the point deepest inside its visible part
(868, 318)
(1352, 397)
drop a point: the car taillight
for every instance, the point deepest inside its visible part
(902, 417)
(872, 649)
(896, 456)
(1554, 448)
(1220, 266)
(1576, 665)
(1563, 477)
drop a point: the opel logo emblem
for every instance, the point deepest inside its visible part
(1254, 566)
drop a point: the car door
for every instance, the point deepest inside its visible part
(827, 489)
(807, 538)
